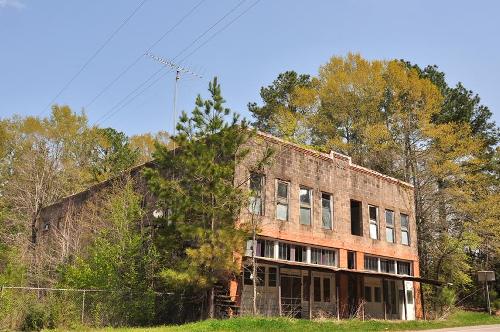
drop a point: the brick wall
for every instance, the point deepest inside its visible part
(333, 174)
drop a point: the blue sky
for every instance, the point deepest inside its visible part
(44, 43)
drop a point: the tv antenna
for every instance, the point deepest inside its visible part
(178, 71)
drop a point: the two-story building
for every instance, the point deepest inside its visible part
(335, 239)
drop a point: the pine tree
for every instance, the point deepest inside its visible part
(195, 187)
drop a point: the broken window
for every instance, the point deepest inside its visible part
(371, 263)
(282, 200)
(326, 210)
(265, 248)
(300, 254)
(284, 251)
(261, 275)
(356, 225)
(373, 210)
(247, 275)
(405, 230)
(387, 266)
(404, 268)
(322, 256)
(351, 260)
(256, 203)
(389, 226)
(305, 206)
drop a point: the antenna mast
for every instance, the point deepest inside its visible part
(178, 70)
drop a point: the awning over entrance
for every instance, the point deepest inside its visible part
(305, 266)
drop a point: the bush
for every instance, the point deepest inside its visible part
(37, 318)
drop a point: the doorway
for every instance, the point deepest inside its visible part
(291, 287)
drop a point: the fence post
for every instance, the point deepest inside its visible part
(83, 306)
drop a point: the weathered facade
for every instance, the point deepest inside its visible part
(334, 238)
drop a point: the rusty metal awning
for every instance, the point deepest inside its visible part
(324, 268)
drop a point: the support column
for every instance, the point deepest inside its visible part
(384, 299)
(362, 302)
(337, 299)
(279, 291)
(405, 299)
(310, 294)
(422, 303)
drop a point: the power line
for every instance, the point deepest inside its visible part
(121, 103)
(238, 5)
(94, 55)
(220, 30)
(133, 63)
(114, 110)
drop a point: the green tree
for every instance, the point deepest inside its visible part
(145, 144)
(119, 258)
(112, 154)
(195, 187)
(407, 122)
(281, 114)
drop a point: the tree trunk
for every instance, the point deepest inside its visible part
(254, 273)
(33, 225)
(211, 303)
(211, 300)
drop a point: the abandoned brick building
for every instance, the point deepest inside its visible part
(335, 238)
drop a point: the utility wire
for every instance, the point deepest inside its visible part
(238, 5)
(94, 55)
(133, 63)
(220, 30)
(123, 102)
(116, 108)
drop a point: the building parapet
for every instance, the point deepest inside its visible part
(335, 155)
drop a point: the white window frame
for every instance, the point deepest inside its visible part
(390, 228)
(330, 196)
(283, 201)
(306, 206)
(374, 258)
(251, 205)
(321, 251)
(405, 229)
(374, 222)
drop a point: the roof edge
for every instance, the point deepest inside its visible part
(335, 155)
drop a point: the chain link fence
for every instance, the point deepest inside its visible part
(34, 308)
